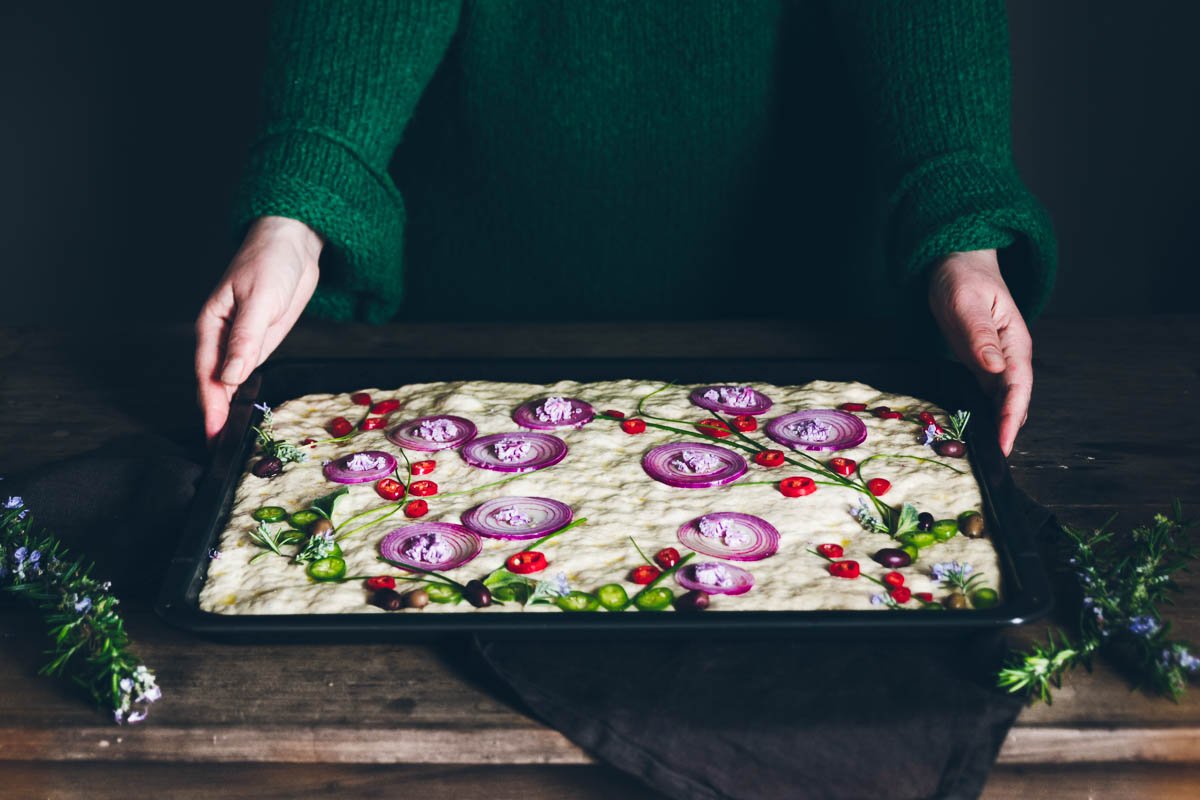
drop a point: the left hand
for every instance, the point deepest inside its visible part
(981, 322)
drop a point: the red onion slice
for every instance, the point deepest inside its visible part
(818, 430)
(713, 577)
(727, 534)
(369, 465)
(730, 399)
(431, 545)
(515, 452)
(429, 434)
(569, 413)
(663, 464)
(517, 517)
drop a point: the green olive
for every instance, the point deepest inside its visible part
(957, 601)
(920, 539)
(971, 525)
(985, 598)
(417, 598)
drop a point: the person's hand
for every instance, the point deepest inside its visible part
(981, 322)
(257, 302)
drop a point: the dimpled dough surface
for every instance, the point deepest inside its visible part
(601, 479)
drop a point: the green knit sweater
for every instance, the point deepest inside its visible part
(571, 159)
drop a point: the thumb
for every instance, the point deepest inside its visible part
(973, 335)
(243, 350)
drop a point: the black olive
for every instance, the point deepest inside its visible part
(924, 521)
(388, 599)
(694, 600)
(267, 467)
(950, 448)
(892, 557)
(320, 527)
(477, 594)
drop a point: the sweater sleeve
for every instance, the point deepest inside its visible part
(341, 82)
(934, 85)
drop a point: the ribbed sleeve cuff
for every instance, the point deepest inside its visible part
(311, 177)
(964, 203)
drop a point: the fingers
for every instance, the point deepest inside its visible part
(243, 351)
(1017, 380)
(210, 332)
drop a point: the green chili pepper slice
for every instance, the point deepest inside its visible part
(656, 599)
(302, 519)
(270, 514)
(327, 569)
(442, 593)
(613, 596)
(577, 601)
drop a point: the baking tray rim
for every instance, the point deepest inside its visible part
(1028, 596)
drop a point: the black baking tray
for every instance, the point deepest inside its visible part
(1026, 588)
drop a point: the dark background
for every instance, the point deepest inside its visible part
(124, 124)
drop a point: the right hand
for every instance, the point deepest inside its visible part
(256, 303)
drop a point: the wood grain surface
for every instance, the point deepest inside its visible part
(1112, 430)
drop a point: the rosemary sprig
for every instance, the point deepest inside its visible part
(956, 427)
(89, 640)
(1123, 583)
(286, 452)
(272, 541)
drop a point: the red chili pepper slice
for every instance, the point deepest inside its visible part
(843, 466)
(927, 418)
(745, 422)
(831, 550)
(389, 489)
(714, 428)
(844, 569)
(853, 406)
(645, 574)
(901, 594)
(891, 415)
(667, 557)
(372, 423)
(525, 562)
(360, 399)
(340, 426)
(879, 486)
(307, 441)
(926, 596)
(422, 488)
(633, 426)
(893, 579)
(797, 487)
(381, 582)
(617, 414)
(416, 508)
(423, 467)
(385, 406)
(769, 458)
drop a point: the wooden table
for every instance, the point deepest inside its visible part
(1113, 428)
